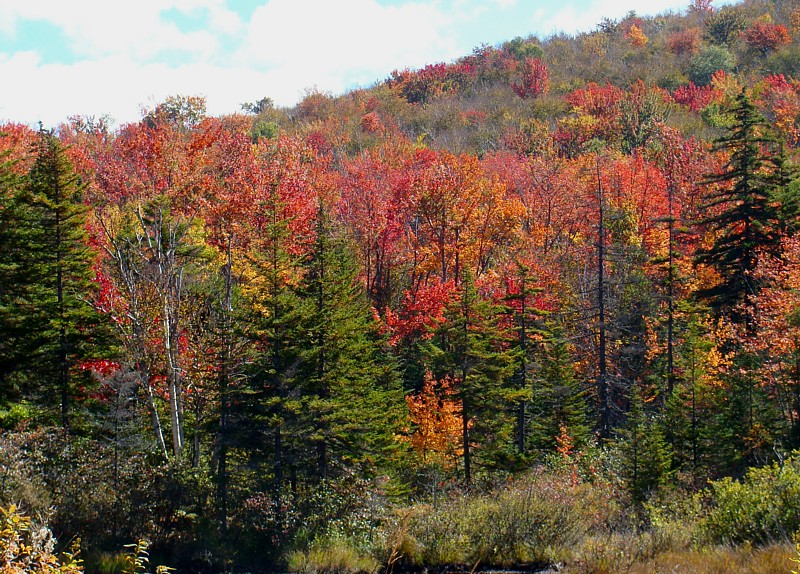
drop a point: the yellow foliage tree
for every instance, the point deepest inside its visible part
(637, 37)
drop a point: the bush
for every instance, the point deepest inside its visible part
(532, 521)
(27, 548)
(785, 61)
(710, 59)
(763, 508)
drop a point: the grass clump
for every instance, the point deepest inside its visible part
(332, 556)
(536, 520)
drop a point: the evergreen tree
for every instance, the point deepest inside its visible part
(472, 348)
(12, 280)
(345, 391)
(265, 422)
(527, 320)
(49, 222)
(558, 400)
(646, 456)
(742, 206)
(686, 418)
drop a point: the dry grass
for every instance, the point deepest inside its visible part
(742, 560)
(332, 557)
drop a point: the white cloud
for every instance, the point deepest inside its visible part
(114, 86)
(572, 18)
(285, 47)
(328, 42)
(101, 28)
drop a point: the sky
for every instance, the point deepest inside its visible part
(115, 58)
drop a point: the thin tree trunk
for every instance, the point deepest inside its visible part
(602, 378)
(465, 445)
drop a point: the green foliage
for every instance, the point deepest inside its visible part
(137, 560)
(522, 49)
(332, 555)
(537, 519)
(349, 403)
(17, 415)
(182, 112)
(762, 508)
(717, 116)
(744, 216)
(710, 59)
(470, 348)
(644, 453)
(724, 26)
(12, 273)
(784, 61)
(51, 324)
(268, 130)
(558, 399)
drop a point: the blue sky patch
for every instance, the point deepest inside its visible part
(44, 38)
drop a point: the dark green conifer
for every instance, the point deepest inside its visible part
(345, 391)
(558, 399)
(742, 201)
(645, 453)
(53, 286)
(472, 348)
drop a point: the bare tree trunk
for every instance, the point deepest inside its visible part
(602, 377)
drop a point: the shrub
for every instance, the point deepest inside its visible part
(763, 508)
(27, 548)
(709, 60)
(534, 520)
(785, 61)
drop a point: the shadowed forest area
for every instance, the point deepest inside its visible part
(538, 307)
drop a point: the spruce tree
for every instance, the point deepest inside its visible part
(265, 422)
(472, 348)
(12, 279)
(741, 201)
(645, 453)
(527, 319)
(50, 228)
(558, 399)
(345, 391)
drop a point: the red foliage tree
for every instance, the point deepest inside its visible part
(766, 37)
(685, 43)
(697, 97)
(780, 99)
(533, 79)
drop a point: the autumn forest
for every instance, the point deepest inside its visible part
(536, 306)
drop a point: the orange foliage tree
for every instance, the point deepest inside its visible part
(435, 415)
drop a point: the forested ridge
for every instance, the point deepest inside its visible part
(536, 306)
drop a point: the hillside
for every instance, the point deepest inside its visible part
(535, 306)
